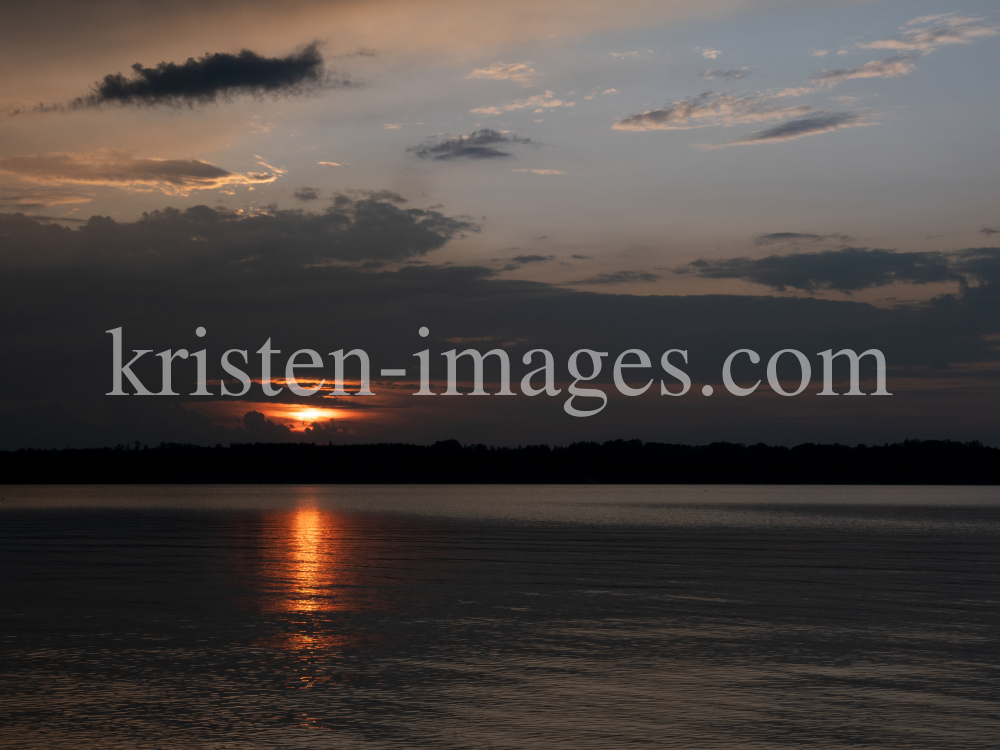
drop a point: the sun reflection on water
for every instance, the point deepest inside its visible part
(314, 552)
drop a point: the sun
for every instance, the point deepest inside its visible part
(313, 414)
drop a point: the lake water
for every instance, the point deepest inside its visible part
(576, 617)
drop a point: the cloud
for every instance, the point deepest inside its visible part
(846, 270)
(532, 258)
(521, 260)
(789, 131)
(709, 110)
(729, 75)
(121, 169)
(276, 170)
(893, 67)
(539, 171)
(521, 73)
(941, 30)
(581, 257)
(989, 230)
(538, 102)
(40, 197)
(480, 144)
(247, 278)
(620, 277)
(353, 228)
(332, 163)
(775, 238)
(820, 52)
(708, 53)
(793, 91)
(306, 194)
(219, 75)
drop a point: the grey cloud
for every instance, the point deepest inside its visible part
(43, 218)
(729, 75)
(581, 257)
(210, 77)
(900, 65)
(306, 194)
(480, 144)
(943, 29)
(257, 277)
(775, 238)
(981, 263)
(40, 197)
(520, 260)
(989, 230)
(350, 229)
(789, 131)
(619, 277)
(846, 270)
(707, 110)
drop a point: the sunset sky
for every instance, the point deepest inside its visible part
(708, 176)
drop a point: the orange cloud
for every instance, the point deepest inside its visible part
(120, 169)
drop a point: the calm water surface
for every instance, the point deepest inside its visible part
(499, 617)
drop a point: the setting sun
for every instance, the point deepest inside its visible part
(313, 414)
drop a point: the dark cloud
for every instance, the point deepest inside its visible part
(729, 75)
(581, 257)
(520, 260)
(257, 428)
(980, 263)
(64, 219)
(846, 270)
(480, 144)
(788, 131)
(350, 229)
(776, 238)
(211, 77)
(306, 194)
(278, 275)
(620, 277)
(989, 230)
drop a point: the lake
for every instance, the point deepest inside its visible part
(499, 617)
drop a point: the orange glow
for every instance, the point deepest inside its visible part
(313, 559)
(312, 414)
(295, 416)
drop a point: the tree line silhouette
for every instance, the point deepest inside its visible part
(449, 462)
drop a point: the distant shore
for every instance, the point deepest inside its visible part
(449, 462)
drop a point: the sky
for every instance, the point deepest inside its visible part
(704, 176)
